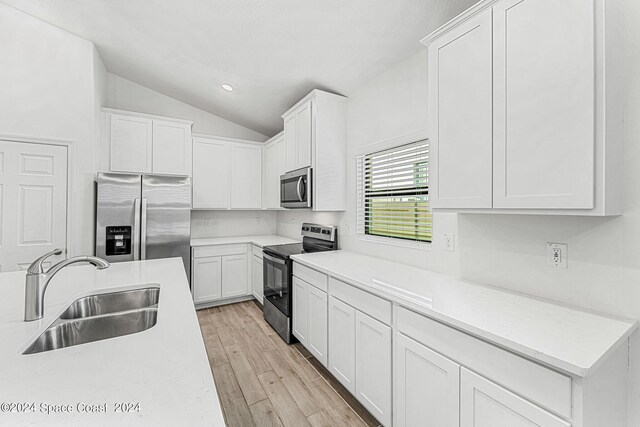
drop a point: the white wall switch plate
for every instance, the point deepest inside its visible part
(557, 255)
(449, 242)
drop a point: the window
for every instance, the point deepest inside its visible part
(393, 193)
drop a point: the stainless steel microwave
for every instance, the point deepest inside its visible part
(295, 189)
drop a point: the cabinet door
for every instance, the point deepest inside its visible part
(317, 323)
(207, 276)
(257, 278)
(210, 174)
(485, 404)
(373, 366)
(246, 176)
(544, 74)
(234, 276)
(300, 312)
(460, 110)
(290, 158)
(427, 386)
(271, 177)
(131, 144)
(303, 136)
(171, 148)
(342, 343)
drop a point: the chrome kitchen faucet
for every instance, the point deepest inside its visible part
(37, 280)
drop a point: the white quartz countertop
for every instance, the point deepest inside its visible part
(566, 338)
(262, 241)
(164, 369)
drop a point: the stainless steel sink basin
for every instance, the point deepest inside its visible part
(100, 317)
(95, 305)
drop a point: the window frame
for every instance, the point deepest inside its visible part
(360, 197)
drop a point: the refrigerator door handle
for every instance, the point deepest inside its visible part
(136, 229)
(143, 230)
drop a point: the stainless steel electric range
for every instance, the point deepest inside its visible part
(278, 274)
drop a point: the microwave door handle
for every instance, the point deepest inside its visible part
(299, 190)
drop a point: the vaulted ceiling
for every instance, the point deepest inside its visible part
(272, 51)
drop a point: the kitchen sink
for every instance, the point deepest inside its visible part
(95, 305)
(100, 317)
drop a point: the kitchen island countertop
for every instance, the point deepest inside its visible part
(161, 376)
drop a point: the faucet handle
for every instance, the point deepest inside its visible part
(36, 266)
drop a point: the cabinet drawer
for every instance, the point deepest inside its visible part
(219, 250)
(257, 250)
(541, 385)
(311, 276)
(370, 304)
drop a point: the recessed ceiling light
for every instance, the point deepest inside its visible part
(227, 87)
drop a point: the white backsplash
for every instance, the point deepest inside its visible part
(232, 223)
(289, 222)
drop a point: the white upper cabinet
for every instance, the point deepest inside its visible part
(525, 108)
(290, 143)
(315, 136)
(460, 73)
(273, 167)
(227, 173)
(171, 148)
(142, 143)
(544, 104)
(246, 176)
(210, 174)
(130, 144)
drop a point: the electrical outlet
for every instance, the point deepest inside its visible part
(557, 255)
(347, 230)
(449, 240)
(208, 222)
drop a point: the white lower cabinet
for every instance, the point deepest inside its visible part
(485, 404)
(257, 278)
(207, 279)
(219, 273)
(342, 343)
(234, 276)
(300, 313)
(426, 386)
(373, 366)
(317, 323)
(310, 318)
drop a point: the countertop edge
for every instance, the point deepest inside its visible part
(529, 353)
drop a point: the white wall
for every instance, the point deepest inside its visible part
(232, 223)
(126, 95)
(48, 92)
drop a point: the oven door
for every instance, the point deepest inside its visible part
(277, 282)
(295, 189)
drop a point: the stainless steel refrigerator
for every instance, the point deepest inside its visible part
(143, 217)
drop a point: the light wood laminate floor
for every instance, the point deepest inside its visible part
(262, 381)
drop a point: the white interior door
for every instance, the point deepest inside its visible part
(33, 202)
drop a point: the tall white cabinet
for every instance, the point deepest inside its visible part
(525, 109)
(144, 143)
(315, 135)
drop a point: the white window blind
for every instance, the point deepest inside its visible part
(393, 193)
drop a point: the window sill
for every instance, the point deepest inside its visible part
(396, 242)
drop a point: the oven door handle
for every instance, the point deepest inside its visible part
(274, 259)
